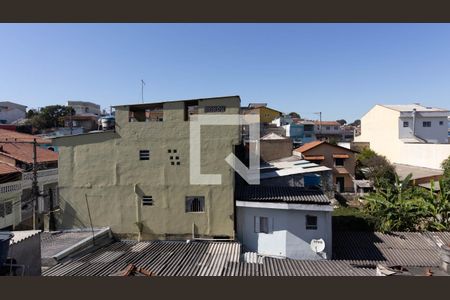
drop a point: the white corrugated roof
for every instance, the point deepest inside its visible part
(22, 235)
(410, 107)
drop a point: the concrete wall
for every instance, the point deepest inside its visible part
(288, 236)
(275, 149)
(380, 128)
(105, 168)
(28, 253)
(10, 193)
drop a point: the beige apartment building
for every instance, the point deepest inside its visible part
(409, 134)
(136, 180)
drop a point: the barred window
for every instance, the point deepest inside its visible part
(195, 204)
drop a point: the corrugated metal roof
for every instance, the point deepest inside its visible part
(397, 248)
(22, 235)
(264, 193)
(291, 267)
(164, 258)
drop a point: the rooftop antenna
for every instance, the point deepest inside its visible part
(142, 86)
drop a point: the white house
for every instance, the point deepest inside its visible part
(284, 221)
(409, 134)
(85, 108)
(11, 112)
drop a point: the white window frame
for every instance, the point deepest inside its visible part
(426, 122)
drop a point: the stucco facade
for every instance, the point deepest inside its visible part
(287, 235)
(382, 127)
(103, 172)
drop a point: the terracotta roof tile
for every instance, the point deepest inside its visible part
(23, 137)
(309, 146)
(7, 169)
(24, 152)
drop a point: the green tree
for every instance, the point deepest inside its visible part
(341, 121)
(446, 167)
(374, 167)
(438, 207)
(397, 206)
(294, 115)
(49, 116)
(356, 123)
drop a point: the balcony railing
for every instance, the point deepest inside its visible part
(10, 187)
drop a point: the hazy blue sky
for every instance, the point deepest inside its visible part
(339, 69)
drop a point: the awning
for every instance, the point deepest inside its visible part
(314, 157)
(341, 156)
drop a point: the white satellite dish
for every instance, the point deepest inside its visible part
(317, 245)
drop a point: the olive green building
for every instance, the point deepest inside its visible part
(136, 178)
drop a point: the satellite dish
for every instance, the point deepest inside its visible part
(317, 245)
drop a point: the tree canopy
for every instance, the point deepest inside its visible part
(49, 116)
(294, 115)
(341, 121)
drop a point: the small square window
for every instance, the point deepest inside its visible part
(169, 151)
(195, 204)
(441, 123)
(311, 222)
(172, 163)
(174, 150)
(171, 157)
(339, 162)
(144, 154)
(147, 200)
(177, 157)
(405, 124)
(178, 163)
(426, 124)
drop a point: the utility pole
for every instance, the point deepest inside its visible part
(34, 187)
(320, 122)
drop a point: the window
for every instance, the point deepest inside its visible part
(8, 208)
(311, 222)
(195, 204)
(147, 200)
(426, 123)
(144, 154)
(441, 123)
(405, 124)
(262, 225)
(339, 162)
(336, 127)
(327, 128)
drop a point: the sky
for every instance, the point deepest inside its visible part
(341, 70)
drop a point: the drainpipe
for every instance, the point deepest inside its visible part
(414, 122)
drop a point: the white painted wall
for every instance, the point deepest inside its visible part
(380, 127)
(11, 114)
(288, 236)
